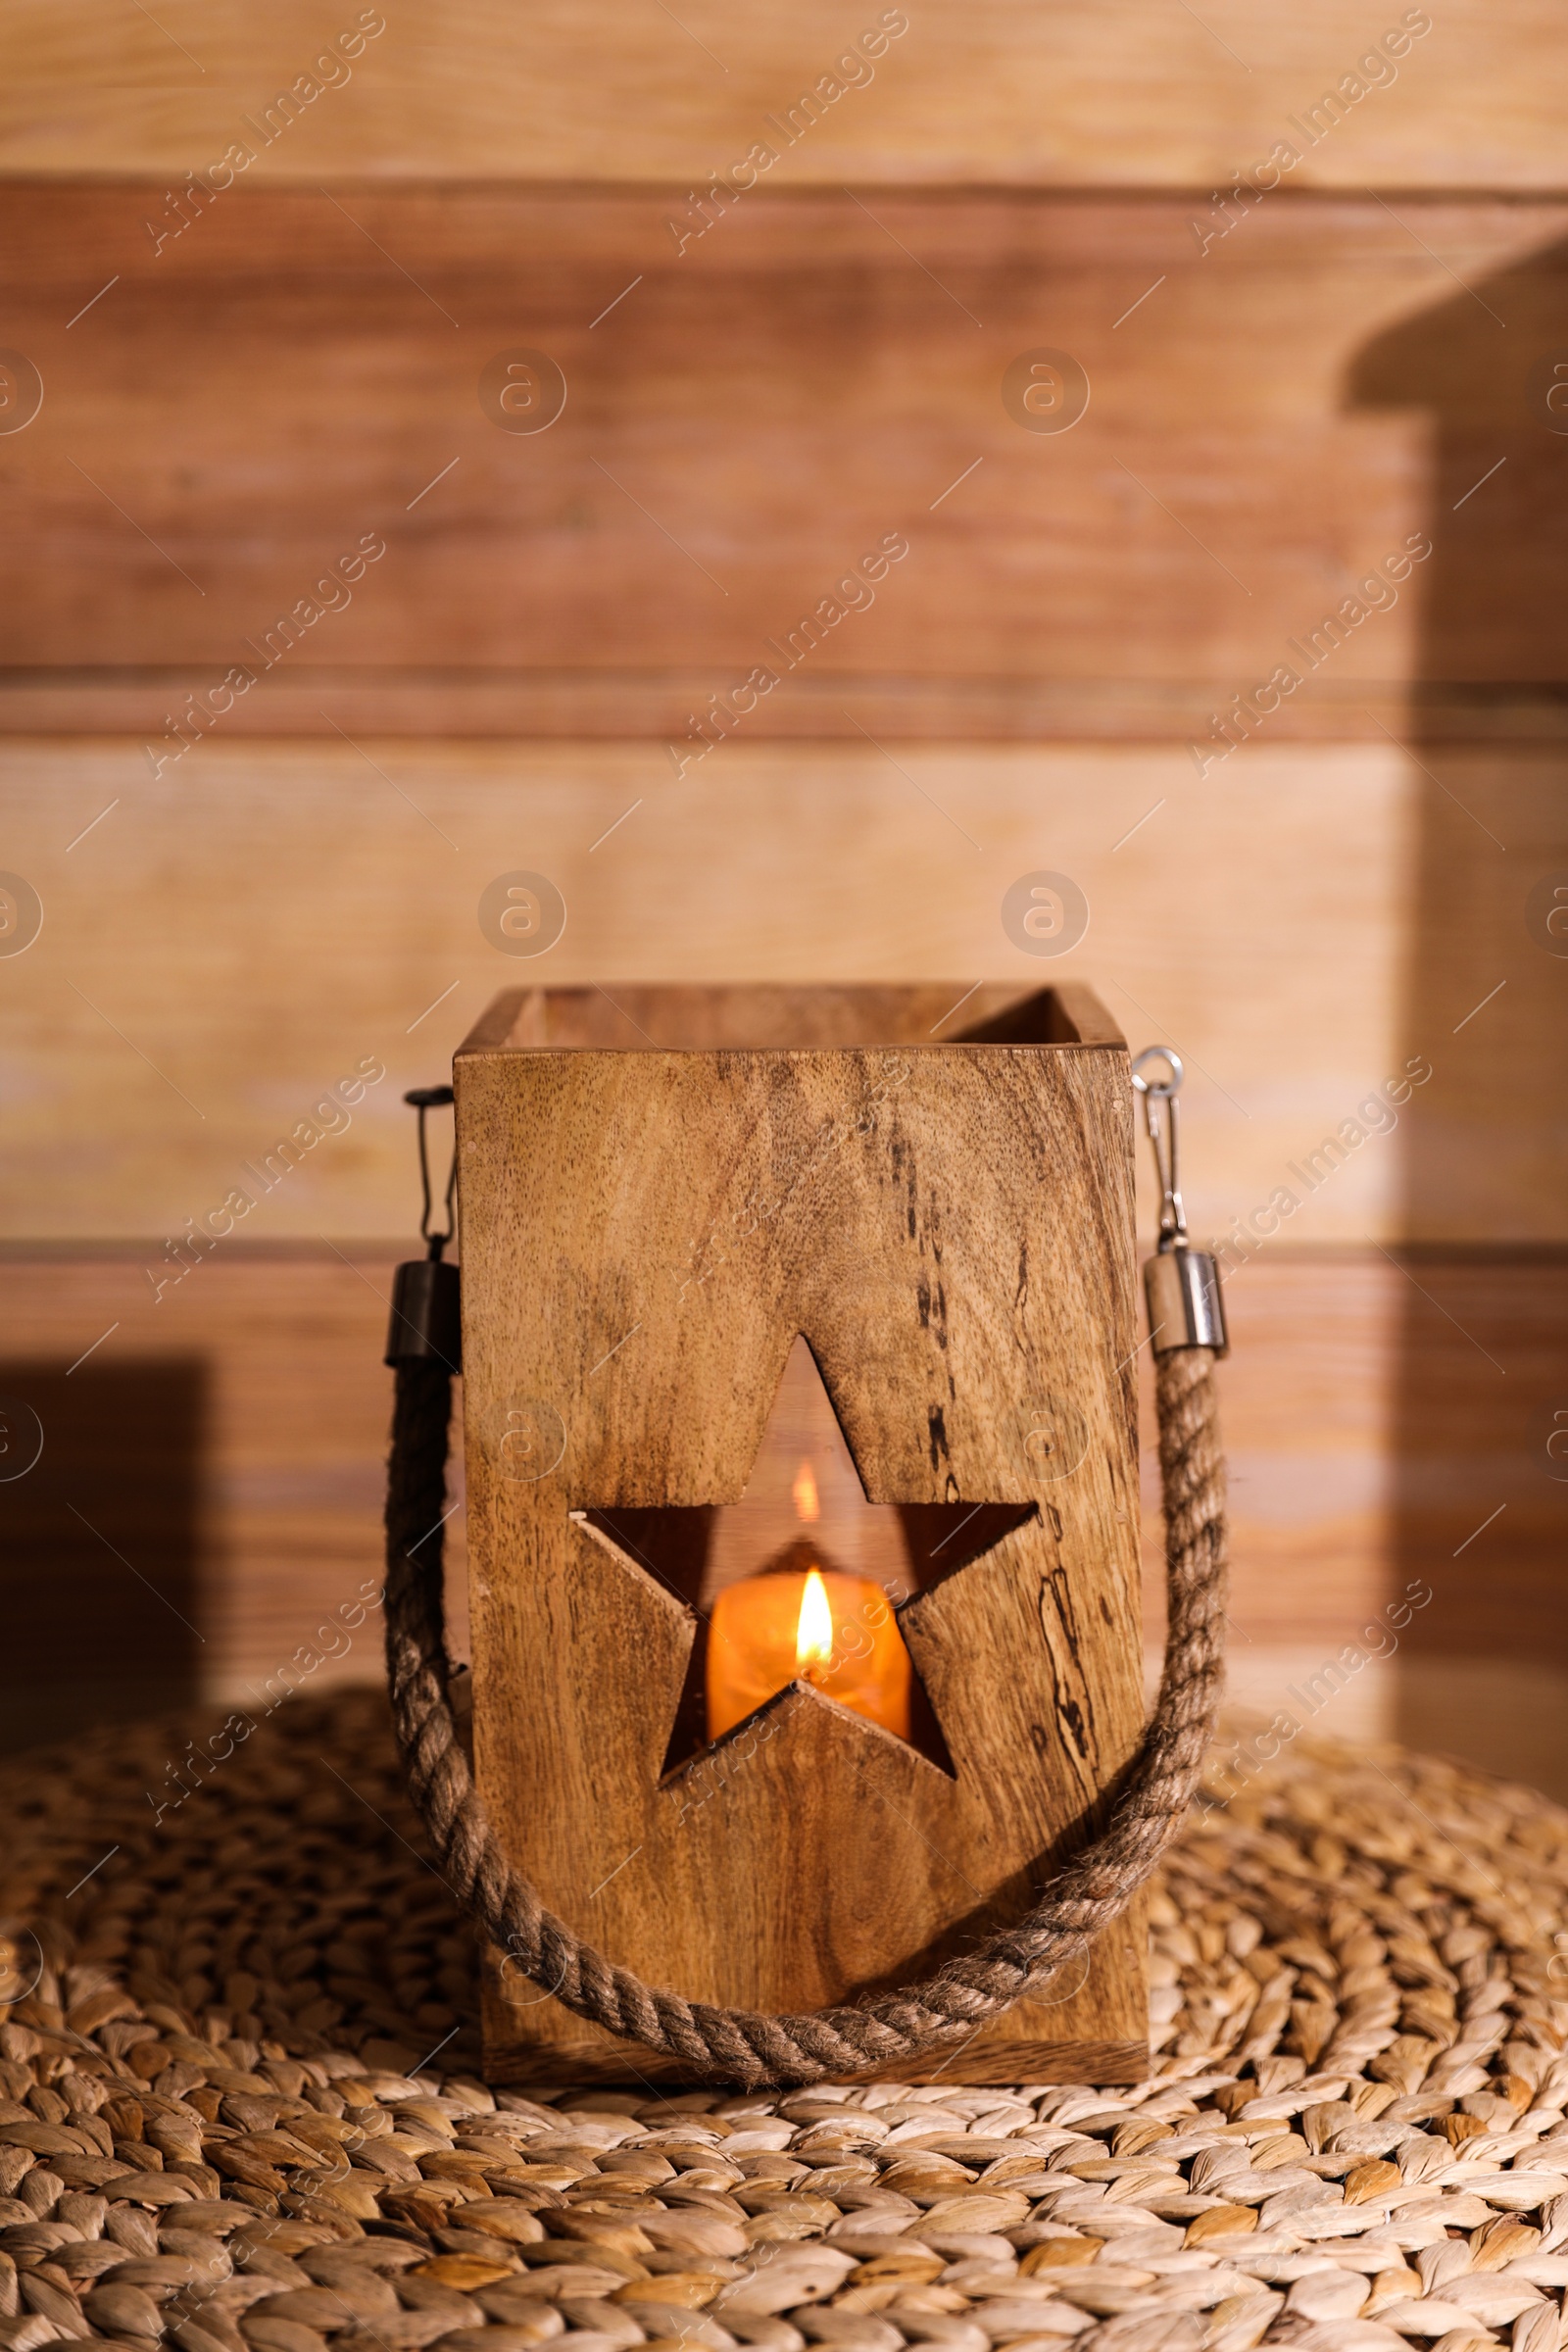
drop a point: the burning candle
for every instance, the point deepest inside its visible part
(803, 1620)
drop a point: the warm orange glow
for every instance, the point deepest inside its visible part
(814, 1628)
(806, 1506)
(790, 1625)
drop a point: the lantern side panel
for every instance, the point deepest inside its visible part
(645, 1234)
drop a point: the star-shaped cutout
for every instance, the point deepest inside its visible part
(804, 1507)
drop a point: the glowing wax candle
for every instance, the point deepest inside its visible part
(800, 1621)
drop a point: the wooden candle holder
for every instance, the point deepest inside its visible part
(659, 1196)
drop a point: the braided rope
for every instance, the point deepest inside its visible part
(742, 2046)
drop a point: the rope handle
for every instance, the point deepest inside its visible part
(747, 2046)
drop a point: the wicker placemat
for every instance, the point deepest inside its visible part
(239, 2105)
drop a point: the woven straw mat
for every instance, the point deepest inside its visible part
(240, 2106)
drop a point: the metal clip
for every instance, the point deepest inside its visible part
(1181, 1284)
(422, 1098)
(427, 1321)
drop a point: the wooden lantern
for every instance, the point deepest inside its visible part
(690, 1218)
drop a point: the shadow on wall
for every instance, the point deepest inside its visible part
(100, 1570)
(1482, 1506)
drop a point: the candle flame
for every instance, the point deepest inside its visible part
(803, 1491)
(814, 1634)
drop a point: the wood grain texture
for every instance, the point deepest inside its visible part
(211, 1487)
(262, 919)
(1138, 94)
(1347, 1480)
(1266, 428)
(948, 1227)
(1389, 1443)
(1392, 1405)
(674, 1019)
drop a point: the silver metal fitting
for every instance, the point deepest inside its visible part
(1181, 1284)
(1181, 1288)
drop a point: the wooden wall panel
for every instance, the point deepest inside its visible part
(220, 946)
(1268, 424)
(1137, 93)
(1388, 1425)
(1381, 1412)
(1352, 888)
(264, 1416)
(263, 1435)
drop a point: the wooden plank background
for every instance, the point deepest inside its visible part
(214, 954)
(978, 90)
(1363, 354)
(1269, 423)
(1369, 1439)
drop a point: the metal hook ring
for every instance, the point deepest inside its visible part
(1152, 1086)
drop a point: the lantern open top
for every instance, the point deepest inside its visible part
(762, 1017)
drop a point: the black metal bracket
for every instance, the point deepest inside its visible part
(422, 1098)
(427, 1324)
